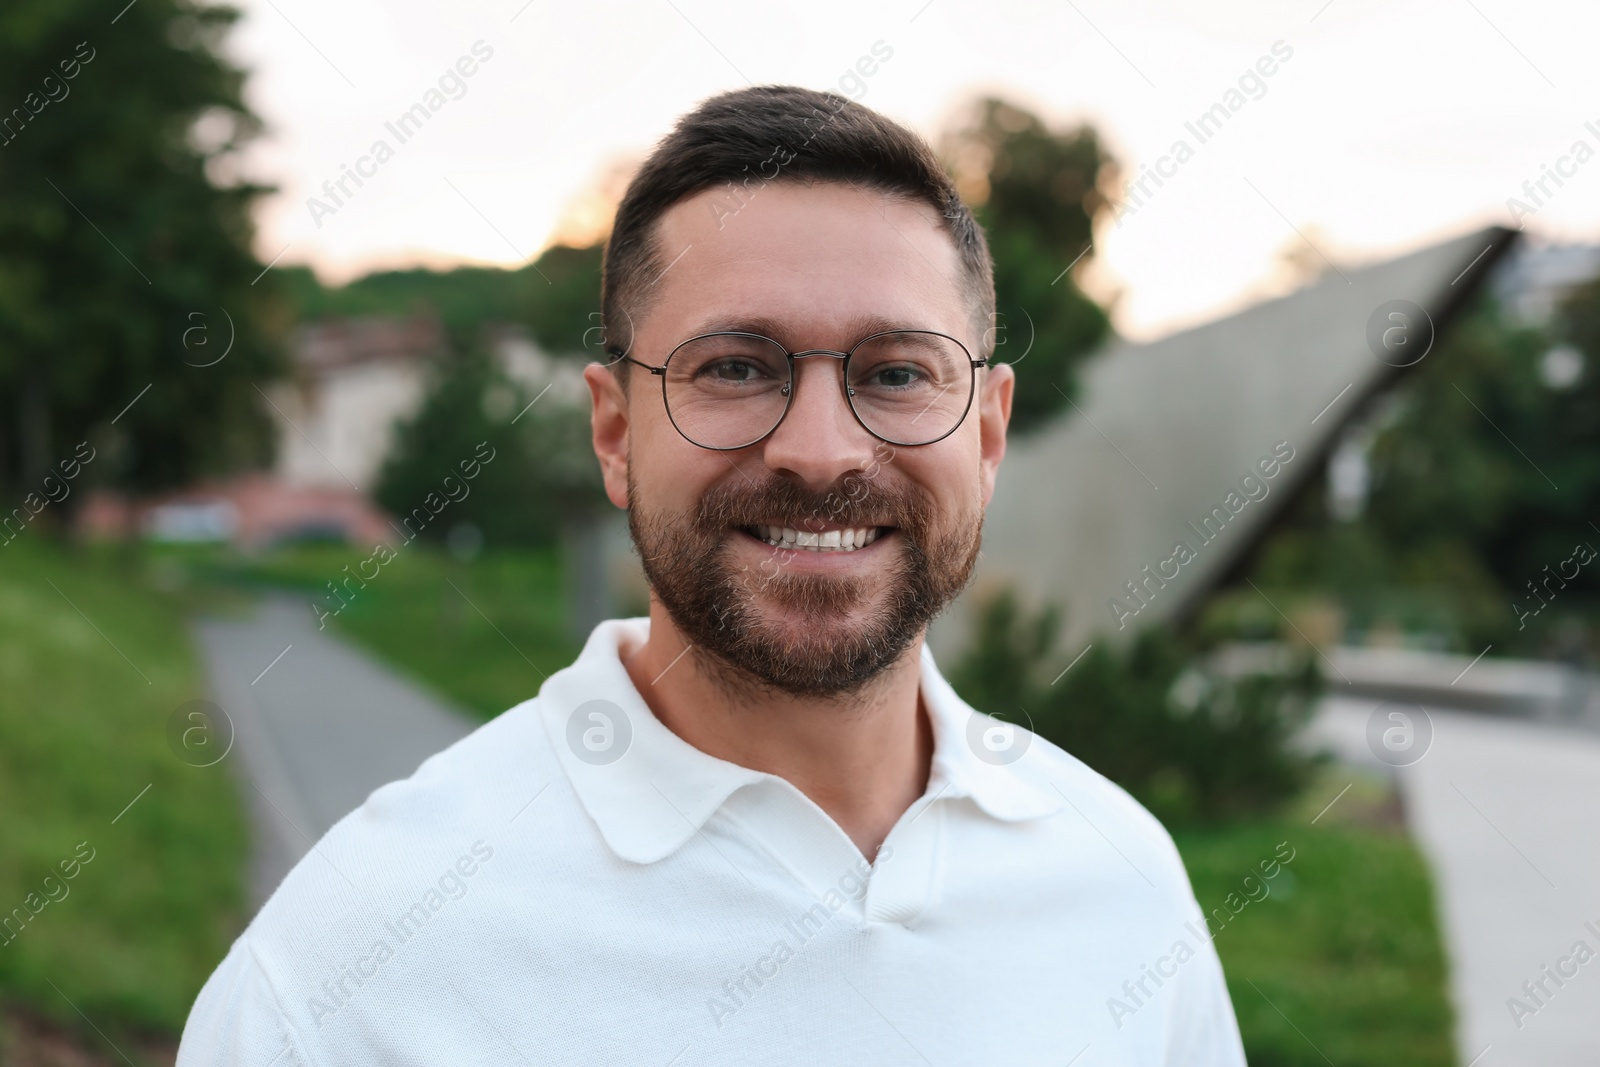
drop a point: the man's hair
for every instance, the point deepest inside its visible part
(745, 138)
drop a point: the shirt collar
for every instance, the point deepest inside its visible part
(649, 791)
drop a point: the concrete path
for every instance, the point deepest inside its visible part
(319, 725)
(1507, 812)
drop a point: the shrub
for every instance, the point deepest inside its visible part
(543, 471)
(1193, 735)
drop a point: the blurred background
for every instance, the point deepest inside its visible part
(1295, 540)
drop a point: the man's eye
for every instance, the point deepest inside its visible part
(733, 370)
(895, 377)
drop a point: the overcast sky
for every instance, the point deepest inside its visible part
(1389, 126)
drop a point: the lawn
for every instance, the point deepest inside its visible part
(1341, 961)
(121, 867)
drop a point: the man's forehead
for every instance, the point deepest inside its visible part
(784, 329)
(794, 253)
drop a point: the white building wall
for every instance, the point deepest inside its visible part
(338, 432)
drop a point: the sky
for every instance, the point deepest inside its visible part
(1382, 127)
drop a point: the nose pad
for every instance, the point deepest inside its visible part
(794, 377)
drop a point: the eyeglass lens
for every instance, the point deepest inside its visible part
(729, 390)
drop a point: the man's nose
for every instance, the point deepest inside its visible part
(819, 440)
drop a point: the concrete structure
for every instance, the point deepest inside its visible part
(1199, 439)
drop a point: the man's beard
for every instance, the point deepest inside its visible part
(826, 654)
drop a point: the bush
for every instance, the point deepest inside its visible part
(1194, 737)
(542, 471)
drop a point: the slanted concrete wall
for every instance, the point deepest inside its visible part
(1181, 452)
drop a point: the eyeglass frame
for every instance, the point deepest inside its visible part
(794, 382)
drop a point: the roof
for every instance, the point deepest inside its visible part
(330, 344)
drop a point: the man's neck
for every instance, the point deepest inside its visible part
(863, 759)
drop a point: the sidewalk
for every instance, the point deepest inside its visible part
(319, 726)
(1507, 812)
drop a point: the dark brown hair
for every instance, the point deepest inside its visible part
(745, 138)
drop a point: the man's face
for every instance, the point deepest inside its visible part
(817, 266)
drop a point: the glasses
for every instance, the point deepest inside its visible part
(730, 390)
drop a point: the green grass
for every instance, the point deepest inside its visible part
(86, 689)
(483, 634)
(1342, 961)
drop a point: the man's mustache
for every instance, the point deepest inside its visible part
(850, 502)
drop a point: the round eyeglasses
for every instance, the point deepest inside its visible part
(730, 390)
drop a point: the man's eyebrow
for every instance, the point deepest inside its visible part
(785, 333)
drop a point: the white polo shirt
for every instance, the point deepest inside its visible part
(573, 883)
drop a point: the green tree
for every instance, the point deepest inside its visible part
(542, 473)
(1037, 194)
(125, 247)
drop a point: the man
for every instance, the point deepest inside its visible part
(758, 826)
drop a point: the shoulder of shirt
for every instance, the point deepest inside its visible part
(239, 1019)
(461, 803)
(1109, 808)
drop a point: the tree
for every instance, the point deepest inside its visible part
(542, 473)
(1037, 194)
(125, 261)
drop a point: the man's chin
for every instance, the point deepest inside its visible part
(816, 635)
(783, 615)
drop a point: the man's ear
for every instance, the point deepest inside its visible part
(994, 415)
(608, 422)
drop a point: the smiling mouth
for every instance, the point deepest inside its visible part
(846, 539)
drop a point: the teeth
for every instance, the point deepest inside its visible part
(828, 541)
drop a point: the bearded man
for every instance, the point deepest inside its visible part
(758, 826)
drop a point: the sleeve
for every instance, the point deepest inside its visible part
(1202, 1030)
(237, 1021)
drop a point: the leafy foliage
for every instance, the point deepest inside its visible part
(1190, 740)
(119, 223)
(542, 470)
(1038, 196)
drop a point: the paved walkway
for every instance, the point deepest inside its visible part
(318, 726)
(1507, 812)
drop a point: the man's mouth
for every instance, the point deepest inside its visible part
(844, 539)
